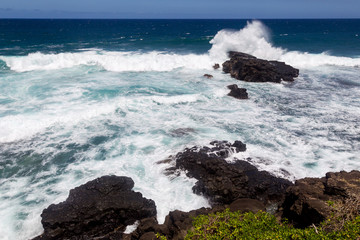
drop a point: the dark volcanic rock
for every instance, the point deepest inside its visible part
(251, 69)
(236, 92)
(306, 201)
(208, 76)
(216, 66)
(222, 182)
(98, 208)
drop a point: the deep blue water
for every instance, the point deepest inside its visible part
(80, 99)
(20, 37)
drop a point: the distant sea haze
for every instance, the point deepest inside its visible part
(80, 99)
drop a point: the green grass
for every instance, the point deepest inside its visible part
(234, 225)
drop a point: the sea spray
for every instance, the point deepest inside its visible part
(254, 40)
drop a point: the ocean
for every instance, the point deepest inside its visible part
(80, 99)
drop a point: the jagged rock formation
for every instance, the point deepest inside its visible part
(236, 92)
(100, 207)
(216, 66)
(222, 182)
(251, 69)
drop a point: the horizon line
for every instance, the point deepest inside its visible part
(79, 18)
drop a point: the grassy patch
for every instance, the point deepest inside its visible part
(234, 225)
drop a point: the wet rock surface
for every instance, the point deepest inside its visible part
(216, 66)
(251, 69)
(223, 182)
(100, 207)
(236, 92)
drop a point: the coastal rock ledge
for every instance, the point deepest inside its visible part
(248, 68)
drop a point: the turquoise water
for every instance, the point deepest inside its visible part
(84, 98)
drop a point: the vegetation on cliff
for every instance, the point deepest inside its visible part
(262, 225)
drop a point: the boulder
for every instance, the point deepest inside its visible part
(236, 92)
(307, 202)
(216, 66)
(96, 209)
(251, 69)
(208, 76)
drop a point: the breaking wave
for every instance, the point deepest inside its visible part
(110, 61)
(253, 39)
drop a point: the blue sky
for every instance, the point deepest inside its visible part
(179, 9)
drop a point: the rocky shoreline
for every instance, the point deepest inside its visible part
(104, 207)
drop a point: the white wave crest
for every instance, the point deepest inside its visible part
(111, 61)
(254, 39)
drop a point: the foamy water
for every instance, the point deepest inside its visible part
(67, 118)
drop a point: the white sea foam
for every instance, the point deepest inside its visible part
(111, 61)
(255, 39)
(17, 127)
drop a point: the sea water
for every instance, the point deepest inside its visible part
(80, 99)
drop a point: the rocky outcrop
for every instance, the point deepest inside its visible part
(101, 209)
(307, 202)
(236, 92)
(216, 66)
(222, 182)
(96, 209)
(251, 69)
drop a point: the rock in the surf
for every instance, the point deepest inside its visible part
(251, 69)
(216, 66)
(236, 92)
